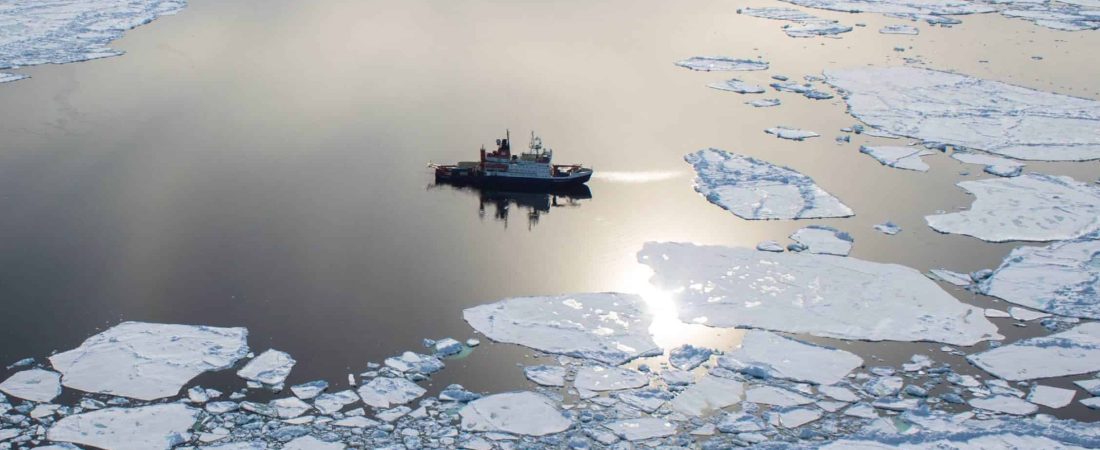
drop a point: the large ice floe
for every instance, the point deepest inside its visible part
(1062, 278)
(142, 428)
(764, 354)
(526, 413)
(612, 328)
(754, 189)
(822, 240)
(970, 112)
(65, 31)
(907, 158)
(36, 385)
(271, 367)
(148, 361)
(721, 64)
(805, 25)
(1070, 352)
(1030, 207)
(822, 295)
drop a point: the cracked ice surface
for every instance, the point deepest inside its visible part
(271, 367)
(768, 355)
(824, 240)
(525, 413)
(36, 385)
(908, 158)
(611, 328)
(65, 31)
(142, 428)
(971, 112)
(1070, 352)
(721, 63)
(754, 189)
(1030, 207)
(822, 295)
(148, 361)
(1062, 278)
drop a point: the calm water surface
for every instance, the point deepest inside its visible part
(263, 164)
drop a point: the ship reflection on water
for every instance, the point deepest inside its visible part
(534, 202)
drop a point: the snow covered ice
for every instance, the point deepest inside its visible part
(1051, 397)
(822, 295)
(545, 375)
(66, 31)
(754, 189)
(611, 328)
(738, 86)
(971, 112)
(1030, 207)
(1070, 352)
(270, 367)
(1004, 404)
(687, 356)
(775, 396)
(141, 428)
(907, 158)
(817, 28)
(598, 378)
(768, 355)
(1062, 278)
(994, 165)
(721, 63)
(793, 134)
(806, 25)
(384, 392)
(824, 240)
(931, 11)
(148, 361)
(36, 385)
(525, 413)
(642, 429)
(709, 394)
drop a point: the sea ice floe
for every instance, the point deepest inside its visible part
(599, 378)
(1092, 403)
(932, 11)
(1030, 207)
(546, 375)
(765, 354)
(807, 90)
(907, 158)
(6, 77)
(1004, 404)
(642, 428)
(148, 361)
(1051, 397)
(721, 63)
(764, 102)
(611, 328)
(974, 113)
(306, 391)
(334, 402)
(816, 28)
(384, 392)
(796, 417)
(771, 395)
(710, 393)
(738, 86)
(838, 393)
(65, 31)
(270, 367)
(1025, 315)
(687, 356)
(525, 413)
(142, 428)
(955, 278)
(777, 13)
(888, 227)
(312, 443)
(824, 240)
(996, 313)
(36, 385)
(1062, 278)
(822, 295)
(806, 25)
(1092, 386)
(994, 165)
(899, 29)
(290, 407)
(1071, 15)
(754, 189)
(412, 362)
(1070, 352)
(793, 134)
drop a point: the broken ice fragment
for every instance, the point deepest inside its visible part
(1070, 352)
(36, 385)
(899, 29)
(147, 361)
(290, 407)
(888, 228)
(738, 86)
(411, 362)
(642, 428)
(331, 403)
(771, 395)
(306, 391)
(447, 347)
(955, 278)
(312, 443)
(525, 413)
(687, 356)
(775, 13)
(765, 354)
(721, 63)
(142, 428)
(1025, 315)
(824, 240)
(995, 165)
(769, 246)
(816, 28)
(754, 189)
(764, 102)
(383, 392)
(793, 134)
(710, 393)
(796, 417)
(270, 368)
(546, 375)
(838, 393)
(1062, 278)
(907, 158)
(1004, 404)
(597, 378)
(1050, 396)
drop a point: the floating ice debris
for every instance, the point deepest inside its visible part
(545, 375)
(141, 428)
(838, 393)
(907, 158)
(221, 407)
(611, 328)
(312, 443)
(899, 29)
(994, 165)
(687, 356)
(816, 28)
(896, 404)
(1030, 207)
(796, 417)
(996, 313)
(807, 25)
(148, 361)
(1065, 16)
(290, 407)
(331, 403)
(597, 378)
(1070, 352)
(973, 113)
(862, 410)
(1004, 404)
(1050, 396)
(270, 367)
(888, 227)
(765, 354)
(793, 134)
(764, 102)
(447, 347)
(955, 278)
(306, 391)
(642, 428)
(384, 392)
(1062, 278)
(771, 395)
(710, 393)
(738, 86)
(473, 342)
(647, 400)
(721, 63)
(932, 11)
(1091, 386)
(806, 90)
(845, 298)
(677, 377)
(411, 362)
(65, 31)
(1025, 315)
(824, 240)
(36, 385)
(775, 13)
(769, 246)
(356, 422)
(525, 413)
(754, 189)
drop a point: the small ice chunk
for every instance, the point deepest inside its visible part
(1070, 352)
(796, 417)
(611, 328)
(816, 28)
(1004, 404)
(861, 410)
(896, 404)
(677, 377)
(311, 443)
(447, 347)
(899, 29)
(838, 393)
(710, 393)
(884, 386)
(721, 63)
(1092, 403)
(1061, 278)
(383, 392)
(642, 428)
(907, 158)
(221, 407)
(794, 134)
(1051, 397)
(331, 403)
(754, 189)
(355, 422)
(778, 13)
(768, 355)
(147, 361)
(996, 313)
(764, 102)
(824, 240)
(687, 356)
(1092, 386)
(646, 400)
(36, 385)
(771, 395)
(545, 375)
(955, 278)
(995, 165)
(738, 86)
(599, 378)
(290, 407)
(525, 413)
(411, 362)
(142, 428)
(888, 228)
(306, 391)
(769, 246)
(1025, 315)
(270, 367)
(473, 342)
